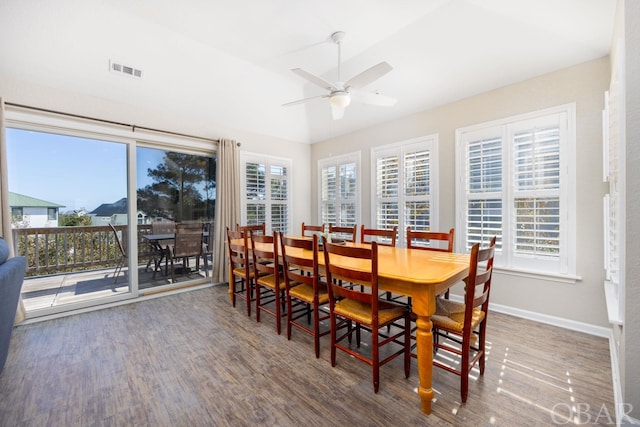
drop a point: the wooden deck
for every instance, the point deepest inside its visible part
(41, 292)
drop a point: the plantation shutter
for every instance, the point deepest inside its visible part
(387, 187)
(536, 224)
(266, 192)
(256, 193)
(517, 177)
(417, 210)
(279, 198)
(339, 190)
(484, 190)
(403, 175)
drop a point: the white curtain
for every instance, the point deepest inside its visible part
(227, 204)
(5, 209)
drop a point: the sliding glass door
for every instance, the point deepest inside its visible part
(84, 197)
(65, 194)
(173, 188)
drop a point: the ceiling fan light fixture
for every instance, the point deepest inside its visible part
(340, 99)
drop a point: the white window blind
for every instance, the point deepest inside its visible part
(265, 185)
(516, 180)
(339, 190)
(404, 177)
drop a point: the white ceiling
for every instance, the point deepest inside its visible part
(229, 62)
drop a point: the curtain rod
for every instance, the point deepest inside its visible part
(133, 127)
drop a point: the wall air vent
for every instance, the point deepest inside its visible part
(126, 70)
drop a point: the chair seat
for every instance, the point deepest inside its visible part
(269, 281)
(450, 315)
(361, 312)
(239, 271)
(305, 292)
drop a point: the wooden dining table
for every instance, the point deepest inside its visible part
(420, 274)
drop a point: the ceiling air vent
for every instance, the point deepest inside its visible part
(126, 70)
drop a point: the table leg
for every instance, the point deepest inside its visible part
(424, 339)
(424, 305)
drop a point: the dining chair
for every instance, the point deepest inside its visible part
(362, 306)
(268, 277)
(347, 234)
(460, 328)
(305, 291)
(312, 228)
(384, 237)
(253, 229)
(240, 266)
(121, 255)
(430, 240)
(187, 243)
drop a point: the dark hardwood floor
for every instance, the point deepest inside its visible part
(190, 359)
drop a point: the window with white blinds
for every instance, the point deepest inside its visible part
(516, 181)
(265, 185)
(339, 182)
(404, 183)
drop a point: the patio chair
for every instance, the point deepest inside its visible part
(188, 243)
(122, 254)
(162, 248)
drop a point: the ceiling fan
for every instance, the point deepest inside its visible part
(340, 93)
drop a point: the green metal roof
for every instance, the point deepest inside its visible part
(20, 201)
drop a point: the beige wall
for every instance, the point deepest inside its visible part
(585, 85)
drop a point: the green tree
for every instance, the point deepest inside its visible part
(182, 190)
(71, 220)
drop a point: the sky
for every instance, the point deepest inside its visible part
(74, 172)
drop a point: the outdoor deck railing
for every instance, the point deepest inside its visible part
(53, 250)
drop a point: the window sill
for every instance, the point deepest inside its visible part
(552, 277)
(611, 298)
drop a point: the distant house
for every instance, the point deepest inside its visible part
(114, 213)
(29, 212)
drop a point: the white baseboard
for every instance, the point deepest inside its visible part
(600, 331)
(573, 325)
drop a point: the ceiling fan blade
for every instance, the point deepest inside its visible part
(318, 81)
(300, 101)
(368, 76)
(376, 99)
(337, 112)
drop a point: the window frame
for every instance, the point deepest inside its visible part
(400, 148)
(564, 266)
(338, 162)
(268, 202)
(17, 213)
